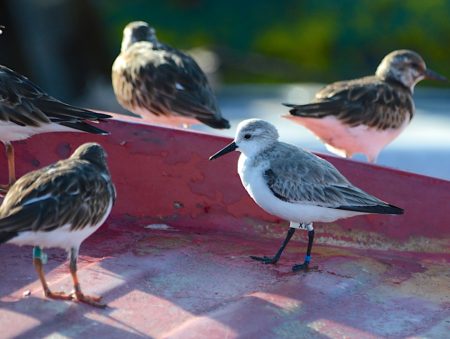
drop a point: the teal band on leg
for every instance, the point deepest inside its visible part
(39, 254)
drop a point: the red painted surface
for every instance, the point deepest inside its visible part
(378, 275)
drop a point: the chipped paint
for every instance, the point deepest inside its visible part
(158, 227)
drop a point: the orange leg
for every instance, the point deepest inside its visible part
(11, 163)
(78, 295)
(11, 168)
(49, 294)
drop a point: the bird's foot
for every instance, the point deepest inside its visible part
(304, 267)
(88, 299)
(265, 260)
(78, 296)
(301, 267)
(58, 295)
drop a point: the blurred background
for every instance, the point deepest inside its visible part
(257, 55)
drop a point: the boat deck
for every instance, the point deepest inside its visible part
(187, 284)
(173, 258)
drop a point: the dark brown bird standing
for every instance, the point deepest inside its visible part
(60, 206)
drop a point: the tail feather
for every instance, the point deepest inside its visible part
(85, 127)
(6, 236)
(376, 209)
(60, 110)
(314, 110)
(220, 123)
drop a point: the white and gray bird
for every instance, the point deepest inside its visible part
(295, 185)
(60, 206)
(366, 114)
(161, 83)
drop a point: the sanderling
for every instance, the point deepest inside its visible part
(26, 110)
(161, 83)
(366, 114)
(295, 185)
(59, 206)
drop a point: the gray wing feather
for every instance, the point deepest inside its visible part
(298, 176)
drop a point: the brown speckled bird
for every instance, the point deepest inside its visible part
(26, 110)
(161, 83)
(60, 206)
(366, 114)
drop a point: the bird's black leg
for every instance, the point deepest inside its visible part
(78, 295)
(38, 258)
(305, 265)
(273, 260)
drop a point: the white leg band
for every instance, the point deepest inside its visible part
(297, 225)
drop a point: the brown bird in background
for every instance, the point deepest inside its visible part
(161, 83)
(366, 114)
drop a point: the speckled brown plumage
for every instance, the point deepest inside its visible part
(26, 110)
(149, 76)
(369, 101)
(25, 104)
(77, 191)
(364, 115)
(60, 206)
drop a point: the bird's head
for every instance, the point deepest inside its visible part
(93, 153)
(406, 67)
(137, 31)
(252, 136)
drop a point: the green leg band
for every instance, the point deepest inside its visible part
(39, 254)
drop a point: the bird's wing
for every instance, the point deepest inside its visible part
(297, 176)
(366, 101)
(166, 81)
(25, 104)
(69, 192)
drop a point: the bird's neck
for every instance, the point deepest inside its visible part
(127, 43)
(254, 150)
(404, 79)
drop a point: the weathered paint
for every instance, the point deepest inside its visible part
(388, 277)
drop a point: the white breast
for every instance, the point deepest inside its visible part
(10, 131)
(171, 120)
(256, 186)
(344, 140)
(62, 237)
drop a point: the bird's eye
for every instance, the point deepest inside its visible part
(415, 65)
(247, 136)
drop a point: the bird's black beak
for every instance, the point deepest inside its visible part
(227, 149)
(430, 74)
